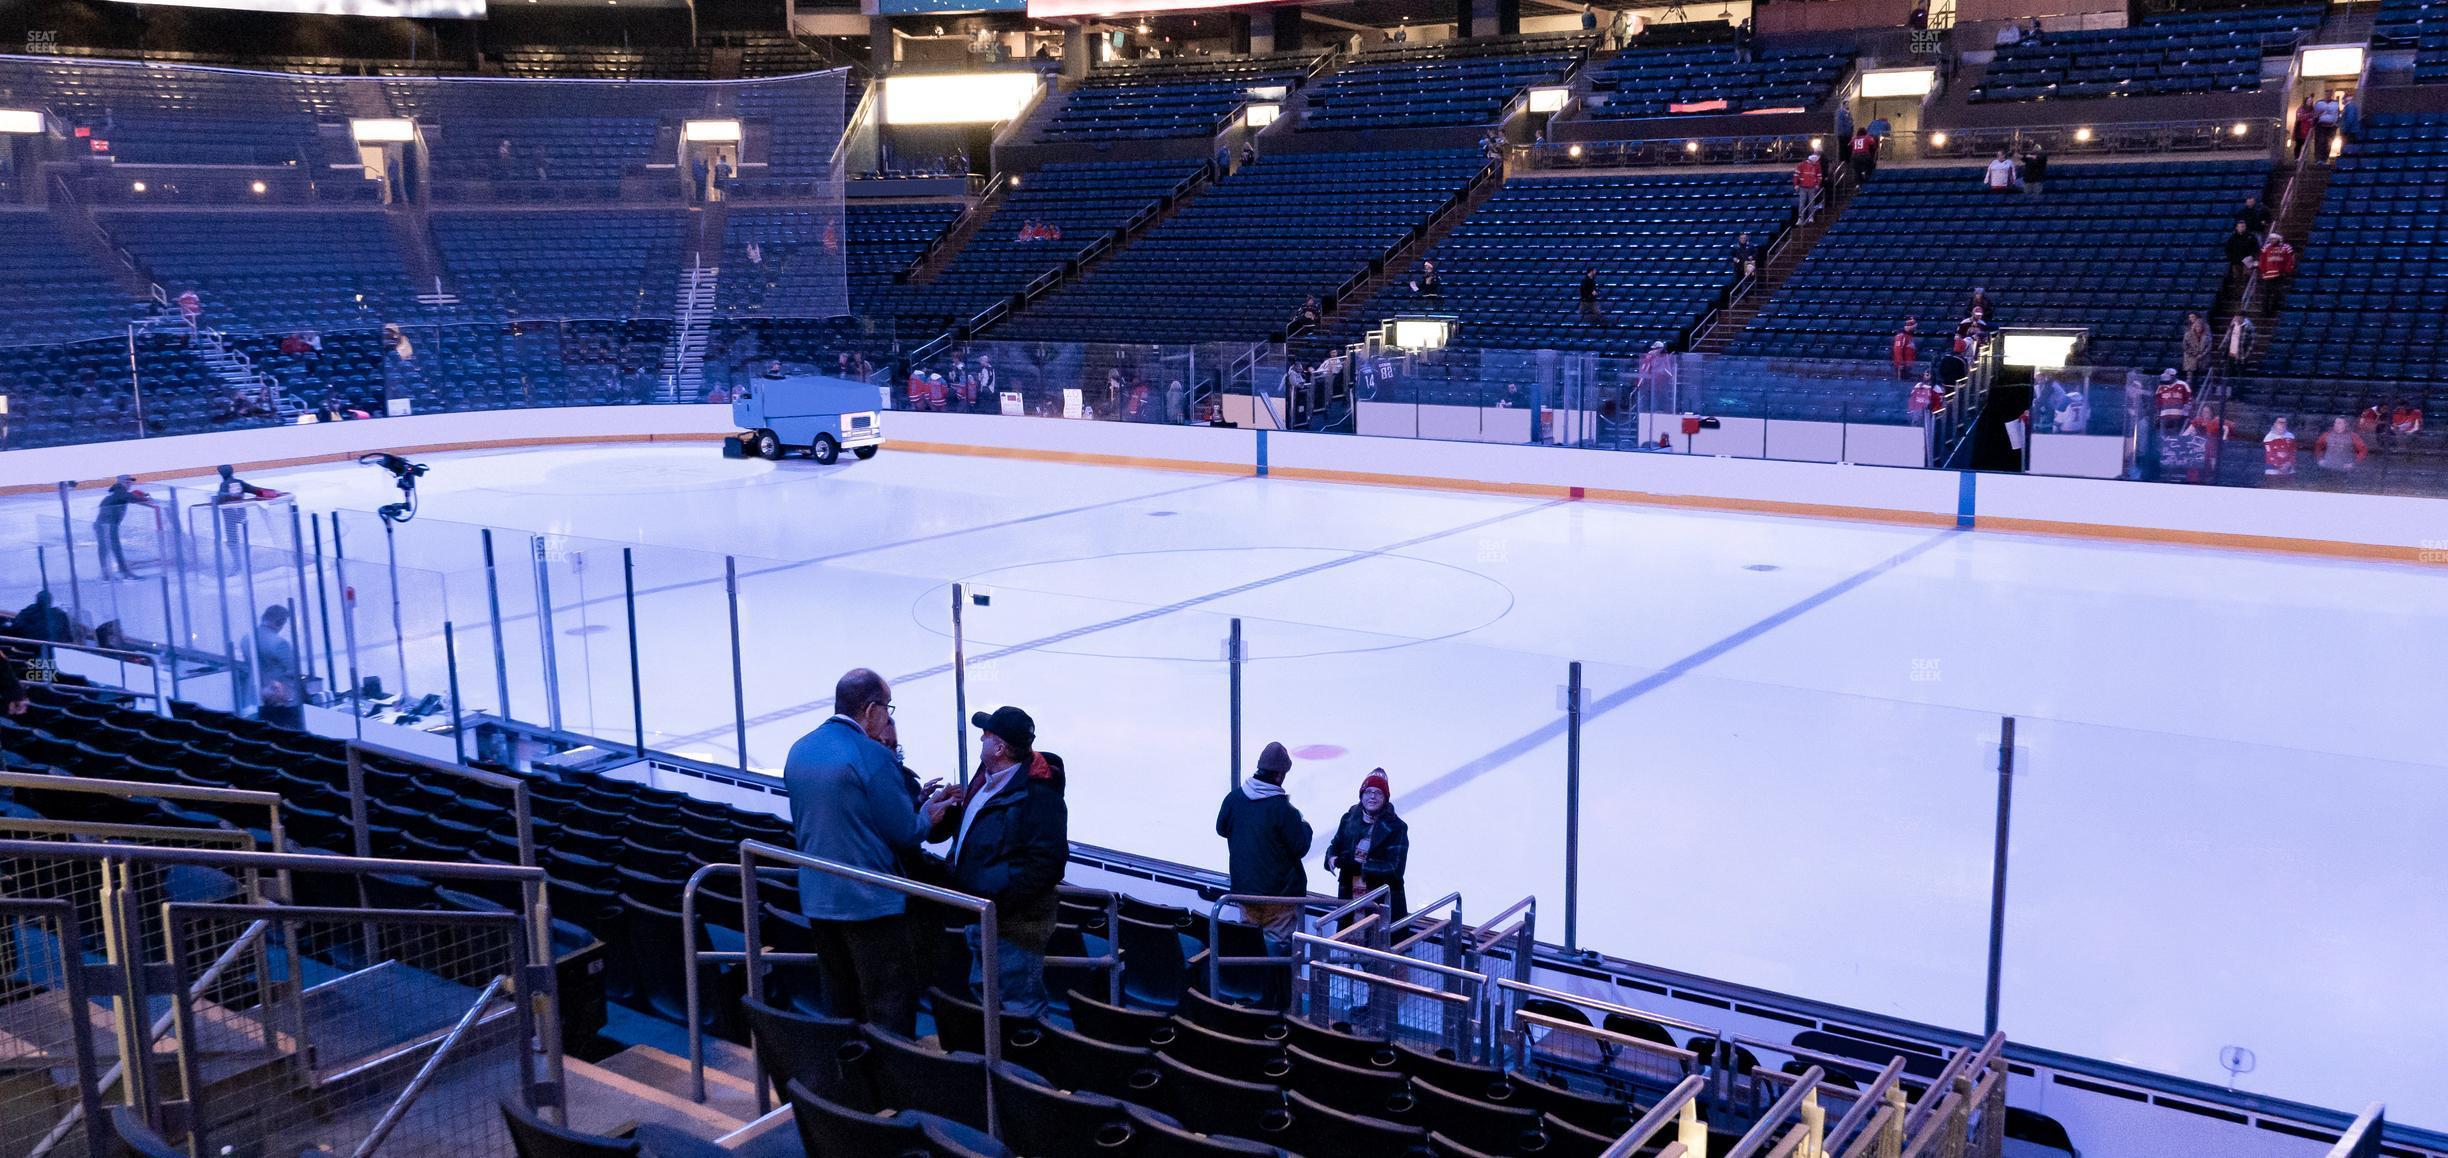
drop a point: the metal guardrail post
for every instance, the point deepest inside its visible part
(76, 589)
(544, 630)
(1572, 808)
(637, 694)
(989, 940)
(1232, 663)
(1997, 873)
(450, 659)
(739, 690)
(501, 653)
(960, 688)
(348, 627)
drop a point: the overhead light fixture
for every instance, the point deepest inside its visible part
(719, 132)
(257, 188)
(2240, 129)
(1938, 140)
(1549, 98)
(1817, 143)
(2083, 134)
(1691, 146)
(1574, 151)
(138, 186)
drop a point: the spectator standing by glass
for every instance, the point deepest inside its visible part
(1372, 846)
(1267, 838)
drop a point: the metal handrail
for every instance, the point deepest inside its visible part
(989, 940)
(1111, 960)
(1418, 915)
(2362, 1139)
(151, 662)
(1638, 1044)
(1496, 930)
(270, 802)
(692, 957)
(1524, 987)
(1873, 1099)
(1960, 1066)
(1802, 1097)
(1679, 1108)
(398, 1109)
(1215, 921)
(270, 861)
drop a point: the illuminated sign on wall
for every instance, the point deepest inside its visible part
(1884, 83)
(964, 98)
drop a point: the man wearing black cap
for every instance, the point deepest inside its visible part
(1268, 839)
(1010, 836)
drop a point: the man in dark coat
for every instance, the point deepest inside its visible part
(850, 806)
(1372, 846)
(1010, 833)
(1268, 840)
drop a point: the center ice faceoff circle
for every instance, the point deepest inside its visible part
(1178, 604)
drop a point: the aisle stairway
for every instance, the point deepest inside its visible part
(684, 358)
(1798, 240)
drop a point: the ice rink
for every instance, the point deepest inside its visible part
(2228, 812)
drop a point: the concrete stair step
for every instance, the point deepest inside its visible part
(604, 1101)
(730, 1093)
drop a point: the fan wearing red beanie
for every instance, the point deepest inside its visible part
(1372, 845)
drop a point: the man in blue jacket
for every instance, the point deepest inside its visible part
(849, 805)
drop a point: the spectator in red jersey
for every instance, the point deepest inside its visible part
(1900, 349)
(1926, 400)
(2278, 450)
(2406, 420)
(2175, 400)
(2275, 264)
(1865, 155)
(2339, 449)
(2303, 125)
(1807, 177)
(2369, 422)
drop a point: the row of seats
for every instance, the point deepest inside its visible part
(2124, 250)
(2173, 53)
(1169, 98)
(1236, 262)
(1713, 79)
(1458, 82)
(2366, 295)
(1084, 201)
(1659, 245)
